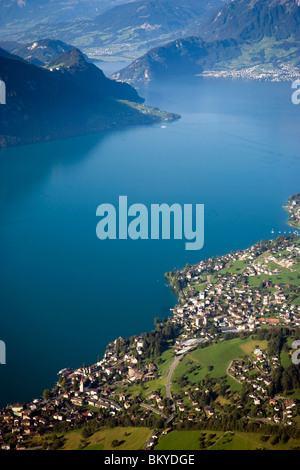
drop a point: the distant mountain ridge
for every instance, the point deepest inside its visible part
(41, 52)
(10, 46)
(130, 28)
(254, 19)
(17, 14)
(241, 34)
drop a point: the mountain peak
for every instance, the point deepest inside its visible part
(41, 51)
(72, 64)
(254, 19)
(70, 58)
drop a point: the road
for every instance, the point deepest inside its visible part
(168, 385)
(148, 407)
(228, 373)
(170, 373)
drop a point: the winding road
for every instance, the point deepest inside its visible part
(172, 367)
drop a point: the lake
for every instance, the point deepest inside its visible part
(64, 293)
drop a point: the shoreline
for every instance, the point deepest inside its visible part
(293, 209)
(106, 388)
(175, 293)
(142, 115)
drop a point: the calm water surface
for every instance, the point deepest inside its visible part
(65, 294)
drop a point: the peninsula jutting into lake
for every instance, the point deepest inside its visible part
(68, 97)
(223, 364)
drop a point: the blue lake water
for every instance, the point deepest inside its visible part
(64, 293)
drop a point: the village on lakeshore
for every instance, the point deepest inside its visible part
(283, 73)
(223, 360)
(293, 208)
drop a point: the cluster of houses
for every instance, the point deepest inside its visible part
(188, 407)
(255, 370)
(293, 208)
(285, 72)
(80, 395)
(230, 302)
(24, 421)
(127, 366)
(226, 302)
(259, 269)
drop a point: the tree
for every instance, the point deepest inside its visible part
(57, 442)
(86, 433)
(63, 383)
(46, 394)
(286, 381)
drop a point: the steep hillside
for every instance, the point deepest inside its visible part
(71, 98)
(253, 20)
(73, 68)
(177, 58)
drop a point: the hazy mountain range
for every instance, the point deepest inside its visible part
(54, 91)
(129, 29)
(17, 14)
(243, 33)
(254, 19)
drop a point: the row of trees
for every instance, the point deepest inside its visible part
(228, 423)
(284, 380)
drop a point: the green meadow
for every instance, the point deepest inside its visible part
(219, 440)
(196, 364)
(129, 438)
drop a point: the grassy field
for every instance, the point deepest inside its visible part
(218, 440)
(130, 439)
(167, 358)
(251, 441)
(285, 359)
(146, 388)
(219, 356)
(286, 276)
(182, 440)
(235, 268)
(296, 301)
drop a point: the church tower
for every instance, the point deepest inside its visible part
(81, 388)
